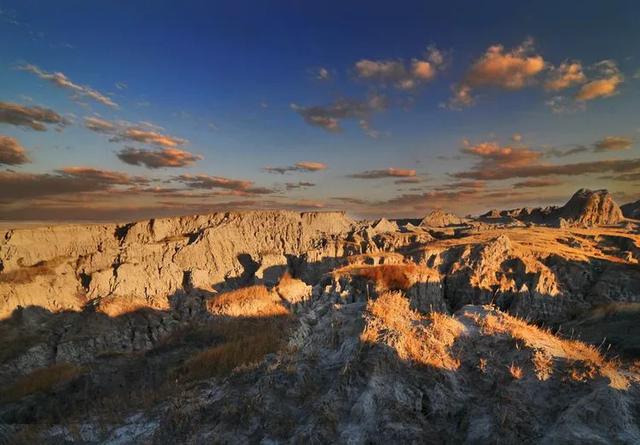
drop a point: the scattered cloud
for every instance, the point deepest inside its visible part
(143, 132)
(516, 137)
(400, 74)
(218, 182)
(11, 152)
(166, 157)
(302, 166)
(534, 170)
(536, 183)
(510, 70)
(329, 117)
(99, 125)
(561, 153)
(121, 85)
(564, 105)
(604, 86)
(492, 155)
(386, 173)
(565, 76)
(62, 81)
(34, 117)
(408, 180)
(15, 186)
(613, 143)
(299, 185)
(322, 74)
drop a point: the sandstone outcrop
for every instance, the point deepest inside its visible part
(439, 218)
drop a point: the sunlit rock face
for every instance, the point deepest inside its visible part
(284, 327)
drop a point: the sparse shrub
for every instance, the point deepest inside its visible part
(515, 371)
(390, 276)
(251, 322)
(482, 365)
(573, 350)
(43, 379)
(543, 364)
(425, 339)
(251, 301)
(245, 342)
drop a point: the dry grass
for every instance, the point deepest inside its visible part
(251, 301)
(40, 380)
(543, 365)
(422, 339)
(252, 322)
(516, 371)
(392, 277)
(246, 346)
(482, 365)
(537, 338)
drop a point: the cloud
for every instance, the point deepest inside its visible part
(564, 105)
(143, 132)
(322, 74)
(15, 186)
(35, 118)
(613, 143)
(329, 117)
(409, 180)
(386, 173)
(510, 70)
(62, 81)
(534, 170)
(148, 137)
(218, 182)
(298, 185)
(535, 183)
(302, 166)
(166, 157)
(605, 86)
(11, 152)
(398, 73)
(606, 144)
(566, 75)
(493, 155)
(99, 125)
(560, 153)
(516, 137)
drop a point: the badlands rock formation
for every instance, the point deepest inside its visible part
(285, 327)
(585, 208)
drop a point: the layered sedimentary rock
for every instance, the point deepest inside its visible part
(145, 263)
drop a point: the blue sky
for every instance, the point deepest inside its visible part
(237, 87)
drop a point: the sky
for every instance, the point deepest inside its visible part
(114, 110)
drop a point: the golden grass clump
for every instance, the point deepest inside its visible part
(251, 301)
(393, 277)
(537, 338)
(424, 339)
(543, 364)
(516, 371)
(252, 322)
(39, 380)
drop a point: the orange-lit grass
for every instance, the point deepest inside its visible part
(251, 323)
(393, 277)
(40, 380)
(425, 339)
(591, 361)
(251, 301)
